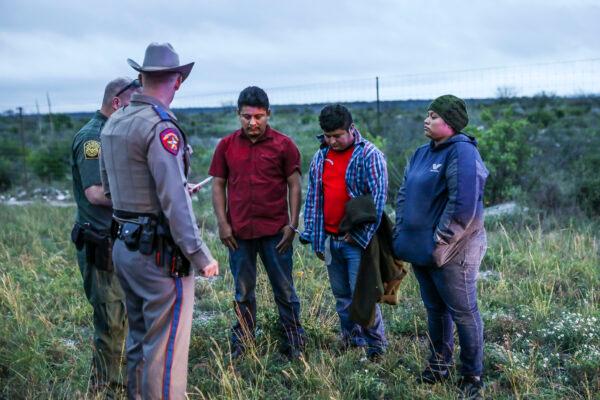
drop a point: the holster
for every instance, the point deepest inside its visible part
(168, 254)
(98, 246)
(77, 236)
(147, 235)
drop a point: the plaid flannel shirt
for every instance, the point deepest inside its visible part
(366, 173)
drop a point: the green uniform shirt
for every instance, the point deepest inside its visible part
(86, 172)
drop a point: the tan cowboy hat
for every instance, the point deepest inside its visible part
(161, 57)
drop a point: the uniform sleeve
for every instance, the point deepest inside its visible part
(104, 176)
(218, 166)
(165, 162)
(461, 181)
(291, 159)
(87, 158)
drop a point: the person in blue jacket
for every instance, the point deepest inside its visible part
(439, 230)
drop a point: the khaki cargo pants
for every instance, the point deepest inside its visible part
(159, 309)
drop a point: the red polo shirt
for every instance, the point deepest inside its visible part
(256, 173)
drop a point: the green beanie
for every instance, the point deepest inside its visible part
(452, 110)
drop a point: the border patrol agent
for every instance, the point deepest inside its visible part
(91, 236)
(145, 162)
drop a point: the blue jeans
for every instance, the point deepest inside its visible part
(242, 262)
(343, 270)
(450, 295)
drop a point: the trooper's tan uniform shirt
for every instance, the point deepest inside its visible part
(140, 175)
(144, 165)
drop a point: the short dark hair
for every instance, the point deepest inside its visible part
(335, 116)
(113, 88)
(253, 96)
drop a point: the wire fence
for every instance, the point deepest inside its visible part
(561, 78)
(565, 78)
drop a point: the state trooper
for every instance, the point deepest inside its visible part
(91, 237)
(145, 162)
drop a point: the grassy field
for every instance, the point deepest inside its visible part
(538, 296)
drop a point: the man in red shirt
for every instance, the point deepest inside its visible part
(256, 172)
(345, 166)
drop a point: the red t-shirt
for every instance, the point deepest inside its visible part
(335, 193)
(256, 173)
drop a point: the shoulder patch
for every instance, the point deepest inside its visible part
(170, 140)
(91, 149)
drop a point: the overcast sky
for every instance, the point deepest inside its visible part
(70, 49)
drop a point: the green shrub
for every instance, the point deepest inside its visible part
(542, 117)
(6, 176)
(62, 122)
(11, 163)
(588, 188)
(505, 148)
(52, 162)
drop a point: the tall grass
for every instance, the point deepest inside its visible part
(538, 296)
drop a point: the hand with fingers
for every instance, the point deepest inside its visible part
(226, 236)
(193, 188)
(210, 270)
(286, 239)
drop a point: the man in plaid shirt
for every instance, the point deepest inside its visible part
(345, 166)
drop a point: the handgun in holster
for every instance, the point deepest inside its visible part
(114, 229)
(98, 248)
(168, 254)
(77, 236)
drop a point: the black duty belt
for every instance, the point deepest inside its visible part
(119, 214)
(150, 234)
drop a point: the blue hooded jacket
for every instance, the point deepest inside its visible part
(440, 203)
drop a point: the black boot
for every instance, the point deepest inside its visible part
(432, 376)
(471, 387)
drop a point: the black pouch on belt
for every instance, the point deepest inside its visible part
(147, 235)
(130, 235)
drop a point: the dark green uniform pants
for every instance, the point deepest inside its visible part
(104, 293)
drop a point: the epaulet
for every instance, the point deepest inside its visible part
(165, 117)
(162, 114)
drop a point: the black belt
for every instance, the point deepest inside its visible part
(336, 236)
(132, 215)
